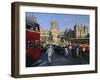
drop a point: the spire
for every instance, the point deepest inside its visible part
(53, 24)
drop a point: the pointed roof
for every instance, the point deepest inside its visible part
(53, 24)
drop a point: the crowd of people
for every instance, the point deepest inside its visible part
(77, 50)
(74, 50)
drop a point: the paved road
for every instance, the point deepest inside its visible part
(61, 60)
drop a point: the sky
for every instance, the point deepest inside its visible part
(63, 20)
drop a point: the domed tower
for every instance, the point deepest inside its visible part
(54, 31)
(53, 23)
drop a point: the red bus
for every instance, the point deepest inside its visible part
(33, 44)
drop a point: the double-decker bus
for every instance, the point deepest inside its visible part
(32, 42)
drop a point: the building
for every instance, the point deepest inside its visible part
(55, 36)
(51, 35)
(44, 35)
(55, 32)
(80, 31)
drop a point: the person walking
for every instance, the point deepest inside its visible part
(49, 52)
(77, 51)
(73, 50)
(70, 49)
(66, 51)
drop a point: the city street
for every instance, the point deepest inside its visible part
(75, 36)
(58, 59)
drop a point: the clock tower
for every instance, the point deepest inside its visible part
(55, 31)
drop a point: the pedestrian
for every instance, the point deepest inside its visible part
(70, 49)
(79, 60)
(77, 51)
(74, 50)
(66, 51)
(83, 51)
(49, 52)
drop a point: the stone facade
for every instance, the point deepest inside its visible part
(58, 37)
(55, 32)
(44, 34)
(80, 31)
